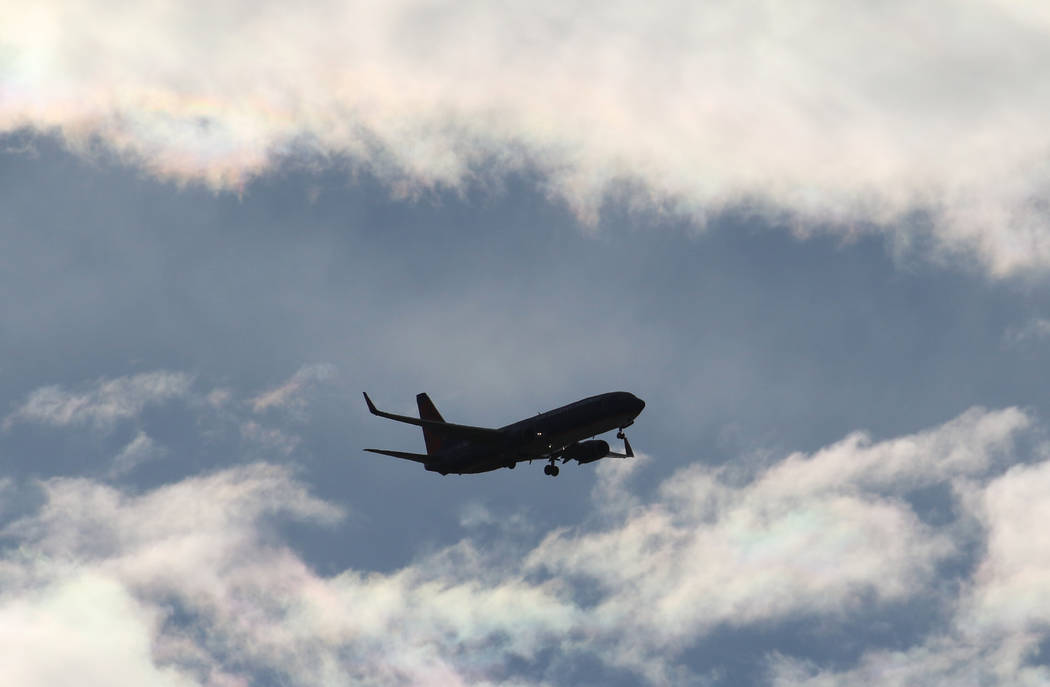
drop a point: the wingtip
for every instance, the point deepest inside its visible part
(371, 406)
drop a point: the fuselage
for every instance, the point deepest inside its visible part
(540, 436)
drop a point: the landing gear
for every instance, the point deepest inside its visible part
(551, 470)
(628, 452)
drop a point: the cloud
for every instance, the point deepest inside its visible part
(965, 446)
(289, 395)
(268, 438)
(194, 574)
(198, 588)
(220, 416)
(103, 405)
(139, 450)
(812, 535)
(849, 116)
(1008, 592)
(1035, 330)
(999, 619)
(94, 623)
(97, 586)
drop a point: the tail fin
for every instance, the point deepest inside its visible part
(433, 437)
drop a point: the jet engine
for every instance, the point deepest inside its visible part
(587, 451)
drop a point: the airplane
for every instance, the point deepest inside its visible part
(559, 434)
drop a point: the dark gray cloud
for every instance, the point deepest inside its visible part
(154, 334)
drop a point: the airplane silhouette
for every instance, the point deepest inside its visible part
(557, 434)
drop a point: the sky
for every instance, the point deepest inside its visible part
(814, 239)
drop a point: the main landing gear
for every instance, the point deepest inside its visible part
(628, 452)
(551, 470)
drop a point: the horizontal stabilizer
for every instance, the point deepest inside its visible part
(418, 457)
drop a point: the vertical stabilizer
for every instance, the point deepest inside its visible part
(427, 411)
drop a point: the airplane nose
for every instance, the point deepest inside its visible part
(639, 405)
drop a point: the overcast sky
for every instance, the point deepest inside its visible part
(814, 239)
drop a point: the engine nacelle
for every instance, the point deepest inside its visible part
(587, 451)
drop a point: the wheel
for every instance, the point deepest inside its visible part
(554, 471)
(546, 469)
(510, 466)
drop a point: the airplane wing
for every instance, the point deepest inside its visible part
(628, 451)
(480, 434)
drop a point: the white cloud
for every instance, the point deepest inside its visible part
(139, 450)
(1034, 330)
(475, 515)
(813, 534)
(850, 114)
(217, 398)
(198, 589)
(289, 395)
(1001, 614)
(8, 495)
(201, 546)
(955, 658)
(1011, 589)
(219, 413)
(107, 402)
(87, 628)
(269, 438)
(968, 445)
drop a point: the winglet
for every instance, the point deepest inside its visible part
(390, 416)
